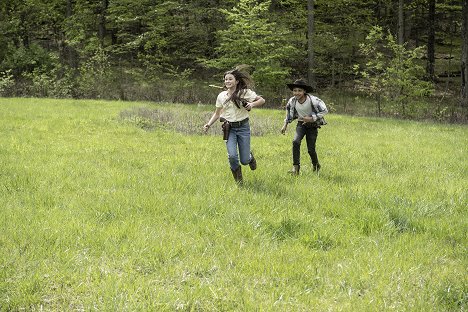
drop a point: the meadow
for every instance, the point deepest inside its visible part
(129, 206)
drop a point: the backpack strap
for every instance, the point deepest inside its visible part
(312, 104)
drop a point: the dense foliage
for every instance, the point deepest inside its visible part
(171, 50)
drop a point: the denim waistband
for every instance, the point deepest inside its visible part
(237, 124)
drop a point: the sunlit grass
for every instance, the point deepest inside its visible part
(104, 208)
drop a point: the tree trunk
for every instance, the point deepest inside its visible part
(464, 60)
(69, 52)
(431, 41)
(401, 22)
(102, 21)
(333, 71)
(379, 105)
(69, 11)
(310, 46)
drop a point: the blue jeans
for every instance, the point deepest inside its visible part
(239, 137)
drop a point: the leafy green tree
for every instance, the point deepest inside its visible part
(391, 70)
(24, 26)
(340, 26)
(80, 29)
(290, 17)
(251, 38)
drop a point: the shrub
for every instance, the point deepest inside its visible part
(6, 82)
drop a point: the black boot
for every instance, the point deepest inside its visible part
(237, 174)
(316, 167)
(253, 162)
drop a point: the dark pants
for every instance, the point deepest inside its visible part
(311, 134)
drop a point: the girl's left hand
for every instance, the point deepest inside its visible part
(249, 106)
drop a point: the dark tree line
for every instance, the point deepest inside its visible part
(171, 50)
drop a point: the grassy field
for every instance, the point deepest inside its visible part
(119, 206)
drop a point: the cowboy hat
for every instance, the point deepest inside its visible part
(300, 84)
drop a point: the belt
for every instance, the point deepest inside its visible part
(237, 124)
(308, 124)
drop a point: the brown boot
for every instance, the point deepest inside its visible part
(295, 170)
(237, 174)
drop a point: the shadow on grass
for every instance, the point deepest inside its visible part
(337, 179)
(297, 231)
(267, 187)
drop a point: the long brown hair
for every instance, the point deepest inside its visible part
(245, 82)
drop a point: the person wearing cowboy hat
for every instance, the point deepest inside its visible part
(309, 111)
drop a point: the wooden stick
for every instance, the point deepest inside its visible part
(215, 86)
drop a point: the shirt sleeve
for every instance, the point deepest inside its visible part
(249, 95)
(320, 107)
(289, 115)
(219, 100)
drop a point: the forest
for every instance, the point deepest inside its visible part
(396, 58)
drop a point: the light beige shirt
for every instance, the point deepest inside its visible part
(230, 110)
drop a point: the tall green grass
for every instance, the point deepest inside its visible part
(121, 206)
